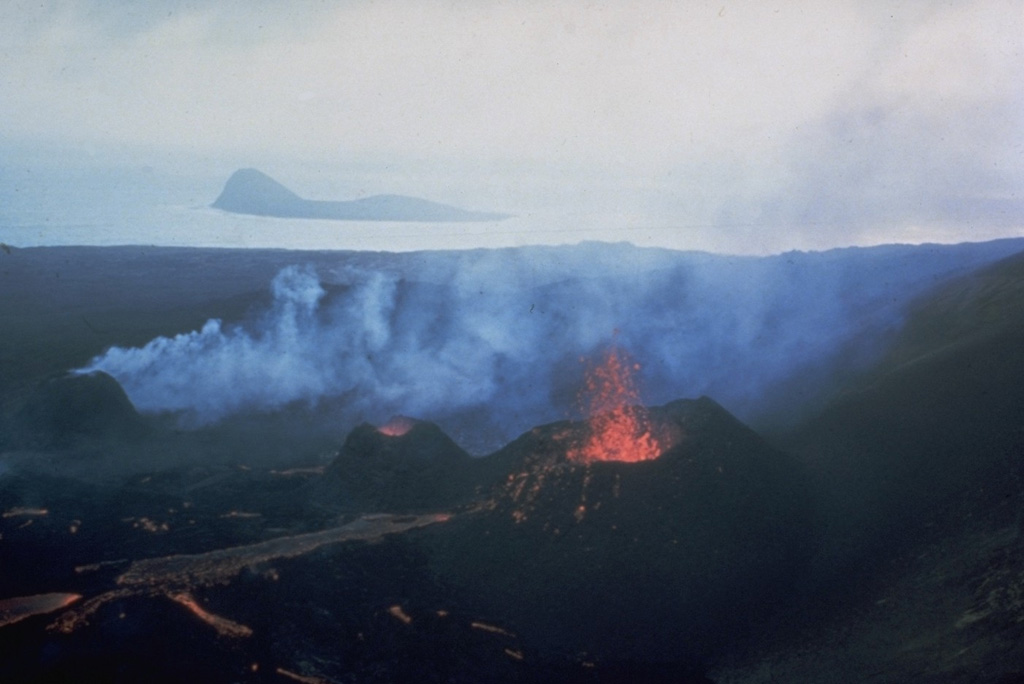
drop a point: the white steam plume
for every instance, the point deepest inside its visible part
(501, 342)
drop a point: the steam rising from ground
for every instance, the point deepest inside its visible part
(274, 363)
(499, 335)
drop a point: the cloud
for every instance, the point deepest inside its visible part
(828, 122)
(614, 81)
(925, 146)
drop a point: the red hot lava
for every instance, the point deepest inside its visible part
(619, 429)
(397, 426)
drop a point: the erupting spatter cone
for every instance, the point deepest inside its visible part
(618, 426)
(682, 548)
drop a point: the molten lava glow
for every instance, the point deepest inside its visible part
(14, 609)
(493, 629)
(396, 427)
(399, 614)
(618, 427)
(172, 575)
(300, 678)
(224, 626)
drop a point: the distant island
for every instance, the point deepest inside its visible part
(249, 191)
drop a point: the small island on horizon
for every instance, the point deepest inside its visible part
(249, 191)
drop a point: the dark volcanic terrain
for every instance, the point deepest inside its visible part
(919, 465)
(875, 534)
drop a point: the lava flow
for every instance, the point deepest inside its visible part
(619, 429)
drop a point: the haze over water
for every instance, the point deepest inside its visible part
(748, 129)
(101, 205)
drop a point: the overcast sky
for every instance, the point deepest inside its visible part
(809, 122)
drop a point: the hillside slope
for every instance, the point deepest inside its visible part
(919, 469)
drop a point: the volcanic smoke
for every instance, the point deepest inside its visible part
(619, 429)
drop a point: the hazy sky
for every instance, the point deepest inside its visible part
(803, 123)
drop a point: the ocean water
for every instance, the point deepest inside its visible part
(53, 203)
(140, 206)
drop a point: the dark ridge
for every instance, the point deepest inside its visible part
(249, 191)
(68, 409)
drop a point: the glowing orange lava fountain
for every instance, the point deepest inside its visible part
(619, 427)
